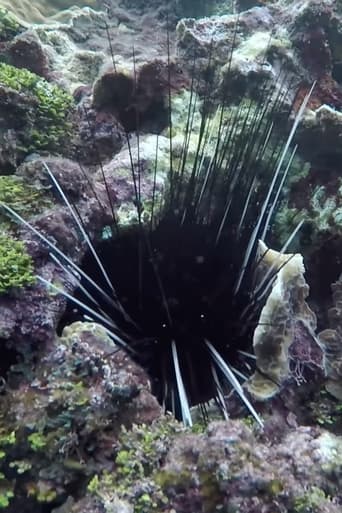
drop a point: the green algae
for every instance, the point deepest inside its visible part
(9, 25)
(138, 460)
(49, 127)
(7, 438)
(310, 501)
(6, 493)
(22, 197)
(16, 265)
(37, 441)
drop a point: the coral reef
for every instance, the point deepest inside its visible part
(66, 429)
(80, 430)
(225, 468)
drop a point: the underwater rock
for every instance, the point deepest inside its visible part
(100, 135)
(139, 98)
(225, 467)
(119, 173)
(34, 115)
(65, 416)
(36, 311)
(17, 113)
(331, 340)
(320, 136)
(305, 42)
(26, 51)
(68, 53)
(212, 38)
(75, 62)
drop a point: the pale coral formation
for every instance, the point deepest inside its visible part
(285, 307)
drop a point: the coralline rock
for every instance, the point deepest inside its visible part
(303, 40)
(331, 340)
(212, 39)
(61, 426)
(17, 109)
(100, 135)
(119, 172)
(70, 48)
(139, 96)
(321, 135)
(225, 468)
(36, 312)
(228, 468)
(26, 51)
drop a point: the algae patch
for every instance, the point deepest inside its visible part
(16, 265)
(9, 26)
(48, 108)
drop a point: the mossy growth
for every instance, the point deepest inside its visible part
(50, 126)
(140, 452)
(42, 492)
(7, 439)
(6, 492)
(326, 411)
(37, 441)
(310, 501)
(21, 196)
(16, 265)
(9, 25)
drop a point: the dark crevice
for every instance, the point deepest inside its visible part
(9, 357)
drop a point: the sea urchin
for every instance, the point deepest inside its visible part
(180, 288)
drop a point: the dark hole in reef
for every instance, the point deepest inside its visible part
(324, 266)
(152, 120)
(337, 71)
(197, 279)
(9, 357)
(138, 107)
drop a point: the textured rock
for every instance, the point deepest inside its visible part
(61, 426)
(331, 339)
(225, 468)
(26, 51)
